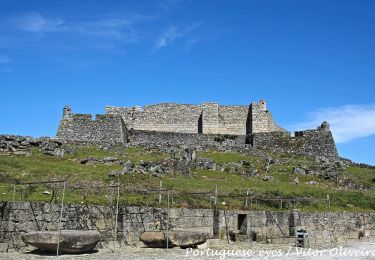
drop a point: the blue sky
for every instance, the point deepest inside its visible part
(311, 60)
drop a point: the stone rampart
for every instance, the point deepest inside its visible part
(208, 118)
(309, 142)
(154, 138)
(102, 129)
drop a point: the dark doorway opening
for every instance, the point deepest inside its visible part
(200, 125)
(249, 122)
(242, 223)
(216, 224)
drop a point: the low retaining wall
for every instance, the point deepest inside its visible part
(264, 226)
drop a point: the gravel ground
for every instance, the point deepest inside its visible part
(242, 251)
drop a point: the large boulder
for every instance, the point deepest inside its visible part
(182, 239)
(154, 239)
(71, 241)
(186, 239)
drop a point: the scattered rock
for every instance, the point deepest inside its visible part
(268, 178)
(155, 174)
(58, 152)
(114, 173)
(110, 160)
(106, 160)
(205, 164)
(330, 173)
(299, 170)
(144, 163)
(349, 184)
(128, 167)
(85, 160)
(188, 154)
(296, 180)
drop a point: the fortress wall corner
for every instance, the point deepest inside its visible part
(81, 127)
(262, 120)
(316, 142)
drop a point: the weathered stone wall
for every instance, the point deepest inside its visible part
(208, 118)
(264, 226)
(205, 125)
(310, 142)
(262, 120)
(234, 120)
(22, 145)
(154, 138)
(166, 117)
(102, 129)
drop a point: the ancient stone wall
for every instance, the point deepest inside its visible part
(208, 118)
(154, 138)
(166, 117)
(234, 120)
(262, 120)
(264, 226)
(102, 129)
(22, 145)
(318, 142)
(205, 125)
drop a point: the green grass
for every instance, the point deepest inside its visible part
(89, 183)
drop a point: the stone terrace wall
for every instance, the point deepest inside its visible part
(323, 227)
(21, 217)
(310, 142)
(81, 127)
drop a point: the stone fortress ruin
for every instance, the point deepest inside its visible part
(208, 124)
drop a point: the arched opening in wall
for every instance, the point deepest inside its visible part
(200, 125)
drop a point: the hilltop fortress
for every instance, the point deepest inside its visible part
(208, 124)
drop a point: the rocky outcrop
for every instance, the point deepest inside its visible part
(182, 239)
(70, 241)
(22, 145)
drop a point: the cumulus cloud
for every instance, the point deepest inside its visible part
(347, 122)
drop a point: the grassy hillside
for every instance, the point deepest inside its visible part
(89, 182)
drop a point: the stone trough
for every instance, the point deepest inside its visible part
(182, 239)
(71, 241)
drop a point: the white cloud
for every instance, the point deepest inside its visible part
(36, 23)
(115, 27)
(174, 33)
(4, 59)
(169, 36)
(347, 122)
(109, 27)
